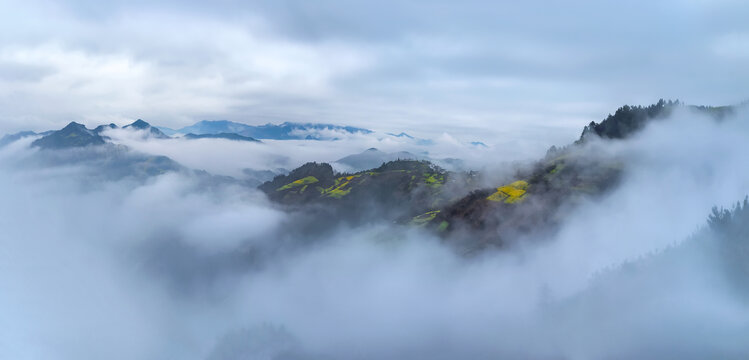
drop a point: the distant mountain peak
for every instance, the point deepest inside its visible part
(72, 135)
(74, 125)
(284, 131)
(143, 125)
(139, 124)
(215, 122)
(401, 135)
(226, 136)
(101, 128)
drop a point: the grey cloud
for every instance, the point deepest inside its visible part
(555, 53)
(15, 72)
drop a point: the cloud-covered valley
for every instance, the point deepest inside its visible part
(181, 265)
(297, 180)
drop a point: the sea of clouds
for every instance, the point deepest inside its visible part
(170, 268)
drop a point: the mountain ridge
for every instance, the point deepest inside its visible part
(152, 131)
(283, 131)
(227, 136)
(526, 203)
(72, 135)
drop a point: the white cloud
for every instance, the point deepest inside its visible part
(152, 64)
(473, 69)
(140, 267)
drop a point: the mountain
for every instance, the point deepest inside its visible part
(628, 120)
(9, 138)
(417, 141)
(101, 128)
(227, 136)
(214, 127)
(372, 158)
(166, 130)
(77, 135)
(114, 162)
(401, 135)
(297, 131)
(529, 202)
(104, 161)
(111, 162)
(99, 160)
(284, 131)
(72, 135)
(150, 130)
(422, 194)
(395, 190)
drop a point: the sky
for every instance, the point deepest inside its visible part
(477, 69)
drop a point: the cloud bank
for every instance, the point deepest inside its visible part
(170, 268)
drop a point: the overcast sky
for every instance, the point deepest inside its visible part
(478, 68)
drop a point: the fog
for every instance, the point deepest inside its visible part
(168, 268)
(230, 157)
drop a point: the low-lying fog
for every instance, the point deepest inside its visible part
(223, 157)
(168, 269)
